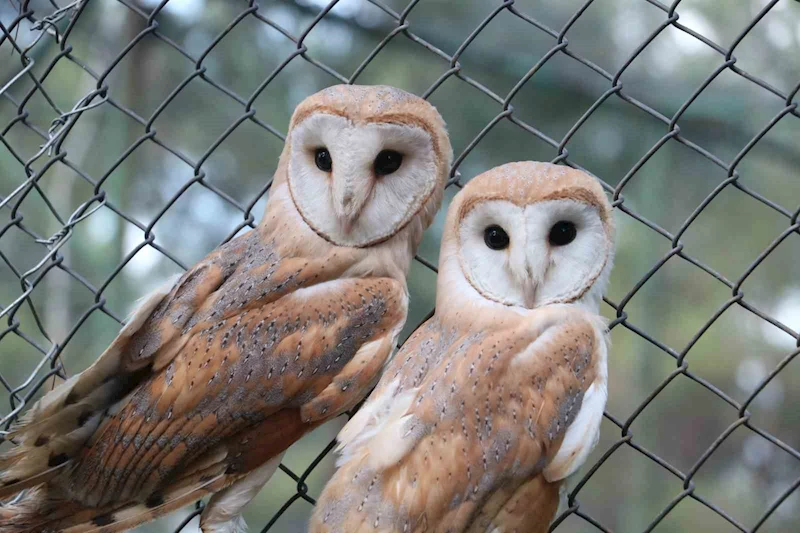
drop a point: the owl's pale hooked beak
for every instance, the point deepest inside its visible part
(536, 264)
(349, 197)
(529, 292)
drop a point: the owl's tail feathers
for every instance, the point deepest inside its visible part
(66, 407)
(38, 459)
(37, 512)
(14, 486)
(34, 510)
(58, 425)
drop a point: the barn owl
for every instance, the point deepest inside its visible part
(269, 336)
(499, 396)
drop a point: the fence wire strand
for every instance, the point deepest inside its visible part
(54, 26)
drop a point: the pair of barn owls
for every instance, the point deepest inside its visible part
(475, 422)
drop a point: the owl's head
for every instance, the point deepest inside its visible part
(527, 235)
(362, 162)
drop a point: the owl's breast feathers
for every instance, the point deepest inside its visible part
(246, 340)
(484, 415)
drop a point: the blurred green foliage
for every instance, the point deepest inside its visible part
(743, 476)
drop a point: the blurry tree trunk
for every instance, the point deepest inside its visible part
(133, 87)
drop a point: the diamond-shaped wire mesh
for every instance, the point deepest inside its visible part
(126, 129)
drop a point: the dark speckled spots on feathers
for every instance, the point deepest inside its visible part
(267, 372)
(170, 373)
(357, 331)
(145, 341)
(568, 408)
(140, 401)
(243, 287)
(271, 351)
(180, 307)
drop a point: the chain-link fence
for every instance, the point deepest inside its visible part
(56, 285)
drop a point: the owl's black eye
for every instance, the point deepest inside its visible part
(322, 157)
(562, 233)
(495, 237)
(388, 161)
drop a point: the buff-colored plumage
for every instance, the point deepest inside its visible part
(490, 405)
(269, 336)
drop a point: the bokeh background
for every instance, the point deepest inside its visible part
(181, 175)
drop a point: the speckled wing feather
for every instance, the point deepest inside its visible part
(235, 374)
(484, 414)
(246, 338)
(54, 429)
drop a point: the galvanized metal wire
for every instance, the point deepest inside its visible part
(53, 22)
